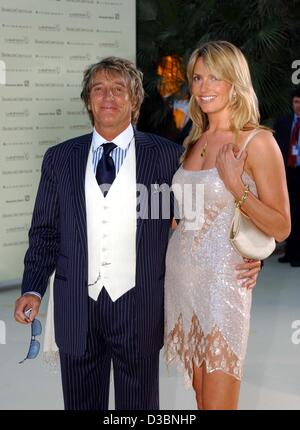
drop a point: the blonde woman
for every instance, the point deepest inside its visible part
(207, 310)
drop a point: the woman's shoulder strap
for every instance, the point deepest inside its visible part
(250, 136)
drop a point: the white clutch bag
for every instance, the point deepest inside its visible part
(248, 240)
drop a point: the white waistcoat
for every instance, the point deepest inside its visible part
(111, 230)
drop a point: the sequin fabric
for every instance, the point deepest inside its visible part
(207, 312)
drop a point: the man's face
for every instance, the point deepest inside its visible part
(296, 105)
(110, 102)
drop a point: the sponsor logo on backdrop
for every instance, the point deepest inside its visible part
(50, 127)
(16, 99)
(80, 43)
(77, 112)
(49, 142)
(19, 70)
(16, 143)
(81, 1)
(18, 228)
(85, 57)
(51, 113)
(115, 44)
(115, 16)
(80, 29)
(20, 114)
(15, 55)
(17, 128)
(16, 186)
(16, 10)
(19, 200)
(109, 31)
(80, 15)
(54, 70)
(86, 126)
(17, 244)
(80, 71)
(48, 42)
(49, 57)
(49, 99)
(16, 215)
(17, 172)
(49, 84)
(18, 84)
(19, 157)
(56, 27)
(74, 85)
(18, 26)
(110, 3)
(17, 40)
(49, 12)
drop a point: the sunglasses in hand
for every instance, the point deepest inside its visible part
(34, 347)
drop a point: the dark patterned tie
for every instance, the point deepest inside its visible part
(292, 158)
(106, 171)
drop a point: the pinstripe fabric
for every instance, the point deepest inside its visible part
(118, 155)
(58, 240)
(86, 379)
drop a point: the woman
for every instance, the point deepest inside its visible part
(207, 310)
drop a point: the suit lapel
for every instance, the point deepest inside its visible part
(145, 172)
(77, 165)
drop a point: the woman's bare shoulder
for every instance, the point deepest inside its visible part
(262, 141)
(263, 149)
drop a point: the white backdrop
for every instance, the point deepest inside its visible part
(44, 47)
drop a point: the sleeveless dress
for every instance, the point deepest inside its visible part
(207, 312)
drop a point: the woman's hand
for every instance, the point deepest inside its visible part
(247, 273)
(230, 168)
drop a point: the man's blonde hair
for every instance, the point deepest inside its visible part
(127, 70)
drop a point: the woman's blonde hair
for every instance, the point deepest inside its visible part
(227, 63)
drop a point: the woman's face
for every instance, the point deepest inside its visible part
(211, 94)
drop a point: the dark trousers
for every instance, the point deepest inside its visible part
(293, 241)
(111, 338)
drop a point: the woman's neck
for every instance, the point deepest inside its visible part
(218, 122)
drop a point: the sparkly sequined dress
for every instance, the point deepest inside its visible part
(207, 312)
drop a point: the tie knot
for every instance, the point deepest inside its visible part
(108, 147)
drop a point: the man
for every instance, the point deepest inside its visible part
(109, 262)
(288, 138)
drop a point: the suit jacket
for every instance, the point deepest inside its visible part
(283, 129)
(58, 241)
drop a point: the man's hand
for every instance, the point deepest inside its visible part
(24, 303)
(248, 272)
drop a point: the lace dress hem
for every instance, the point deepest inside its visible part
(195, 348)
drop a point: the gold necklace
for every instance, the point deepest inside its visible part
(203, 151)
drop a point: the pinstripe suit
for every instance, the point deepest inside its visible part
(283, 131)
(89, 334)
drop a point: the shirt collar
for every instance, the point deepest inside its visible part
(295, 118)
(122, 140)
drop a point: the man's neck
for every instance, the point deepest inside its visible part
(110, 134)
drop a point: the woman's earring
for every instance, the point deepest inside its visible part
(233, 97)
